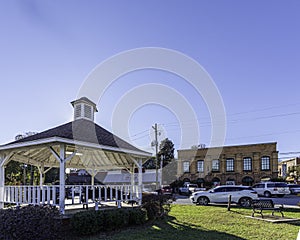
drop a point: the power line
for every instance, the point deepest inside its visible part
(233, 121)
(289, 153)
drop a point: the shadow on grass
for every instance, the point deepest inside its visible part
(167, 228)
(191, 231)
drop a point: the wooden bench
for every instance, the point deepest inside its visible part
(260, 205)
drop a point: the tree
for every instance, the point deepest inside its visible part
(166, 151)
(52, 175)
(150, 163)
(16, 172)
(13, 173)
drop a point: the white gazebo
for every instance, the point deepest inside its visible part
(80, 144)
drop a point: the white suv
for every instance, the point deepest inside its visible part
(239, 194)
(267, 189)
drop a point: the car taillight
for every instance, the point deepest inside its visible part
(254, 192)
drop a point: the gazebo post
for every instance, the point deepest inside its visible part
(132, 175)
(93, 173)
(3, 159)
(2, 183)
(140, 181)
(93, 179)
(41, 171)
(62, 167)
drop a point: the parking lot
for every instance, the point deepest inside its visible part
(288, 200)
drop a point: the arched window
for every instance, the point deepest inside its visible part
(248, 181)
(216, 181)
(186, 180)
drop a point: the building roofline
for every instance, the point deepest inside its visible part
(227, 146)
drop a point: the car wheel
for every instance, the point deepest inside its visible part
(203, 201)
(267, 194)
(245, 202)
(280, 195)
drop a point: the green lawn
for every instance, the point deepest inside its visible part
(209, 222)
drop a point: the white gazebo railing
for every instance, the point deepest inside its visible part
(74, 194)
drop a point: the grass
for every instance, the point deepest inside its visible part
(208, 222)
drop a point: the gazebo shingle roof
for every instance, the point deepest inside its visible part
(84, 131)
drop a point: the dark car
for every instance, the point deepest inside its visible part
(166, 190)
(294, 188)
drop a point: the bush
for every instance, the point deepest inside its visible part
(115, 219)
(137, 216)
(156, 205)
(91, 222)
(30, 222)
(88, 222)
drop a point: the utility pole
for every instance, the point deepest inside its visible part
(161, 169)
(156, 156)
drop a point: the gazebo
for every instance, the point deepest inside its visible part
(80, 144)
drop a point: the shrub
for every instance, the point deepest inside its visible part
(156, 205)
(91, 222)
(87, 222)
(116, 218)
(30, 222)
(137, 216)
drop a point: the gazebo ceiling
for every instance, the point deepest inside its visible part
(88, 145)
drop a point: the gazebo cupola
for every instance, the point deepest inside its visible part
(84, 108)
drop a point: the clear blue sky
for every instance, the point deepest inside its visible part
(250, 48)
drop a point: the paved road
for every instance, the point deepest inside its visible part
(290, 200)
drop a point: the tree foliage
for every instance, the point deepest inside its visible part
(16, 172)
(150, 163)
(166, 151)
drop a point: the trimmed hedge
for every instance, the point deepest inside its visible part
(44, 222)
(92, 222)
(30, 222)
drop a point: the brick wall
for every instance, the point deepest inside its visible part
(239, 174)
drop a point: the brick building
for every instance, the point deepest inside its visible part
(244, 164)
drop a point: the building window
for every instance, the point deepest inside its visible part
(265, 163)
(215, 165)
(186, 166)
(229, 165)
(200, 166)
(247, 164)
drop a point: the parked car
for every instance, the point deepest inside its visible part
(294, 188)
(76, 192)
(239, 194)
(166, 190)
(188, 188)
(269, 189)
